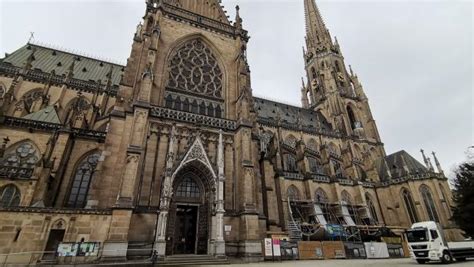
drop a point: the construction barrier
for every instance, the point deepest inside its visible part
(310, 250)
(333, 250)
(376, 250)
(355, 250)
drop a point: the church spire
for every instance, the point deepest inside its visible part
(317, 35)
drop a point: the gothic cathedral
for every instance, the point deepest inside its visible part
(171, 154)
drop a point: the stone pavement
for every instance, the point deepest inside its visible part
(350, 263)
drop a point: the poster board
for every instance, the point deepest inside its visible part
(268, 247)
(276, 247)
(83, 249)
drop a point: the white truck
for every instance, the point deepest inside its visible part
(427, 242)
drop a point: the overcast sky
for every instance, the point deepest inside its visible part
(414, 58)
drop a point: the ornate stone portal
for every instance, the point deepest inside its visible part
(208, 198)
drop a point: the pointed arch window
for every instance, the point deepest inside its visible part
(32, 99)
(186, 105)
(429, 203)
(202, 108)
(218, 112)
(177, 104)
(371, 207)
(290, 162)
(188, 188)
(352, 118)
(194, 107)
(10, 196)
(169, 101)
(20, 162)
(314, 165)
(321, 196)
(337, 168)
(82, 180)
(445, 201)
(210, 110)
(313, 73)
(410, 206)
(293, 193)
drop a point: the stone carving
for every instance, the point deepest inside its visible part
(194, 68)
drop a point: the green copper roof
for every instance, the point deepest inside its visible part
(49, 59)
(47, 114)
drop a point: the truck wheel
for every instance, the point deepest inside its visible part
(421, 261)
(446, 258)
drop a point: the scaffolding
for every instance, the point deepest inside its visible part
(310, 219)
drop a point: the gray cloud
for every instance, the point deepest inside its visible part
(414, 58)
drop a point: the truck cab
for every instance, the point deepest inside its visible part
(427, 242)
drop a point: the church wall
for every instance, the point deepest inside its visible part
(31, 229)
(174, 34)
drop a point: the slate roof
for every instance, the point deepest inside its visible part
(269, 110)
(48, 114)
(48, 59)
(90, 69)
(395, 164)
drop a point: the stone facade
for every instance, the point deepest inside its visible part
(113, 154)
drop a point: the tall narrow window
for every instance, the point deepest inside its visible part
(82, 180)
(445, 202)
(321, 196)
(337, 168)
(218, 112)
(314, 165)
(410, 206)
(291, 163)
(352, 118)
(177, 103)
(186, 105)
(371, 207)
(10, 196)
(293, 193)
(429, 203)
(169, 101)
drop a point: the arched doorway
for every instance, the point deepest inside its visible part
(189, 221)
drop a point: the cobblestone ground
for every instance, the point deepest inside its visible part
(351, 263)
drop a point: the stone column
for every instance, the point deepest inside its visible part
(220, 243)
(166, 194)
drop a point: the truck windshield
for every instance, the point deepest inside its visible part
(417, 236)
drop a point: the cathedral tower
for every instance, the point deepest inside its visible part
(331, 89)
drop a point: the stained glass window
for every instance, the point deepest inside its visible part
(194, 68)
(188, 188)
(10, 196)
(82, 180)
(293, 193)
(410, 206)
(429, 203)
(20, 162)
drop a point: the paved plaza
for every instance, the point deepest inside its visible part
(352, 263)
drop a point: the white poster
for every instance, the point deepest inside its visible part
(268, 247)
(276, 247)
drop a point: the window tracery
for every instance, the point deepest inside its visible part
(429, 203)
(410, 206)
(30, 98)
(188, 188)
(10, 196)
(194, 68)
(82, 180)
(21, 162)
(321, 196)
(293, 193)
